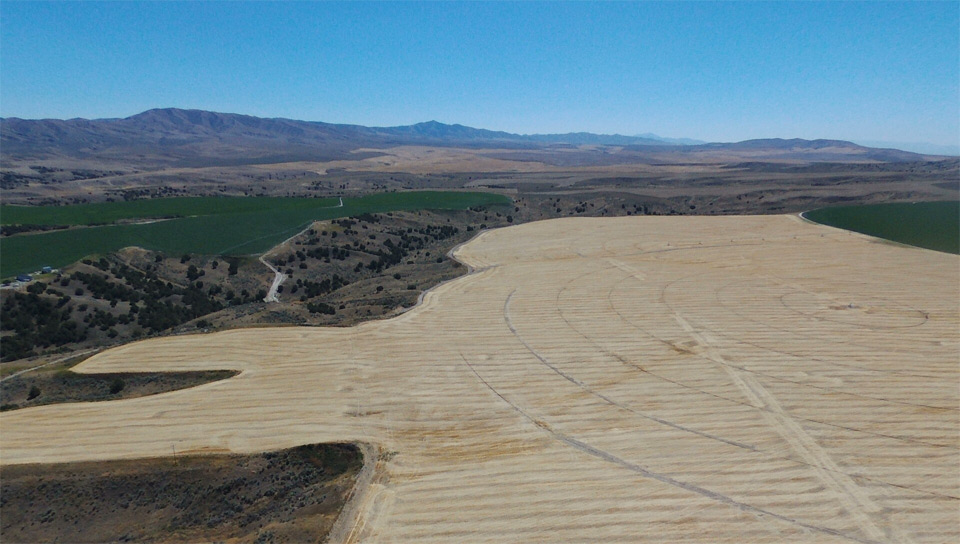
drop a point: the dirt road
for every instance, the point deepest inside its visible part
(278, 276)
(695, 379)
(48, 363)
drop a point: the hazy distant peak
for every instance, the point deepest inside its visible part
(435, 124)
(916, 147)
(791, 143)
(674, 141)
(438, 130)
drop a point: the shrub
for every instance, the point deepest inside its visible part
(37, 288)
(321, 308)
(34, 393)
(116, 386)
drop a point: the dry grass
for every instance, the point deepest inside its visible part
(710, 379)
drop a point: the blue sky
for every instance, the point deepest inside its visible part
(714, 71)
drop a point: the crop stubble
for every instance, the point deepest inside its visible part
(713, 379)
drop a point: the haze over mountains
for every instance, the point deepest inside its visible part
(189, 137)
(677, 141)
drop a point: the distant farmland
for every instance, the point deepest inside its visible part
(205, 225)
(930, 225)
(110, 212)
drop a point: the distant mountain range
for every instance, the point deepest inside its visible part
(192, 137)
(926, 148)
(675, 141)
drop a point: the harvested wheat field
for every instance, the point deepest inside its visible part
(662, 379)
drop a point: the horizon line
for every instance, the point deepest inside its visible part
(954, 147)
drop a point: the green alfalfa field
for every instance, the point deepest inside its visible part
(930, 225)
(202, 225)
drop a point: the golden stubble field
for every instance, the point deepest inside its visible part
(662, 379)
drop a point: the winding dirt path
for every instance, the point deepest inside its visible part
(278, 276)
(73, 355)
(696, 379)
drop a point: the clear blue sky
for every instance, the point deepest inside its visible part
(714, 71)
